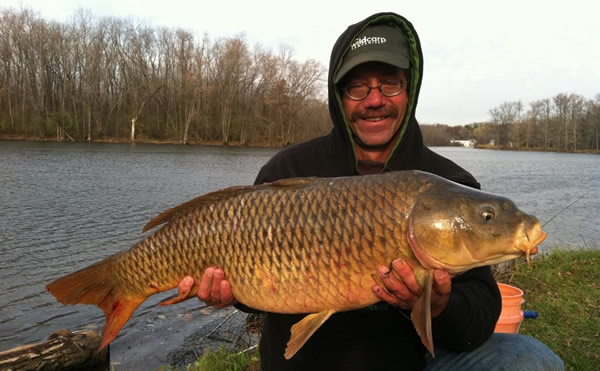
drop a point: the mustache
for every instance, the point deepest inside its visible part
(376, 112)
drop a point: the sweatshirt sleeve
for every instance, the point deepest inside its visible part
(472, 312)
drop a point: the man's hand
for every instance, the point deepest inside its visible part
(214, 289)
(402, 290)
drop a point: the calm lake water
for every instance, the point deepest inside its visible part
(64, 206)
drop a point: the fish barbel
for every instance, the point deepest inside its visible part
(309, 245)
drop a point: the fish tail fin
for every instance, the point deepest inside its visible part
(117, 312)
(90, 285)
(93, 285)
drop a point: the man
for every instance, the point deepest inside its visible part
(375, 74)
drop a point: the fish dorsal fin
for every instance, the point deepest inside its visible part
(294, 182)
(304, 329)
(167, 215)
(421, 314)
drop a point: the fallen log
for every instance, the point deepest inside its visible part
(64, 350)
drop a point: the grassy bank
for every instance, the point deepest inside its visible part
(563, 287)
(223, 360)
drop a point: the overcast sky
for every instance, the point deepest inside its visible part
(477, 54)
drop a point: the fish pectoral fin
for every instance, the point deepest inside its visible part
(174, 300)
(421, 314)
(181, 296)
(304, 329)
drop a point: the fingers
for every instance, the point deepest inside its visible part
(185, 285)
(442, 282)
(404, 273)
(400, 285)
(214, 290)
(226, 294)
(204, 291)
(442, 285)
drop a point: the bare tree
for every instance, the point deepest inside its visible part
(231, 57)
(503, 117)
(93, 78)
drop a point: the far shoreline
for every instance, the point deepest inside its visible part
(24, 138)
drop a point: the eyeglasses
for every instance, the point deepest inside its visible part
(389, 88)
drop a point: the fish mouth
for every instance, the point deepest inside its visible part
(529, 242)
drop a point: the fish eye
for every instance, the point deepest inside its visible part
(488, 214)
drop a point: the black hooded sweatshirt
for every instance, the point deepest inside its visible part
(381, 336)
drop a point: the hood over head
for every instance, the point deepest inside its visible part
(376, 38)
(334, 154)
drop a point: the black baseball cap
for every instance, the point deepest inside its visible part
(376, 43)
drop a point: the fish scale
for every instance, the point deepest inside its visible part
(309, 245)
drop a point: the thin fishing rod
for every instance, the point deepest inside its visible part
(568, 206)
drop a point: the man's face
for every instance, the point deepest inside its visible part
(376, 119)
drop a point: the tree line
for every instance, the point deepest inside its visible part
(565, 122)
(94, 78)
(105, 78)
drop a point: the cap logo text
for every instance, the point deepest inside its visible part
(367, 40)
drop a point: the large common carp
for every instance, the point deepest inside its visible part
(310, 245)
